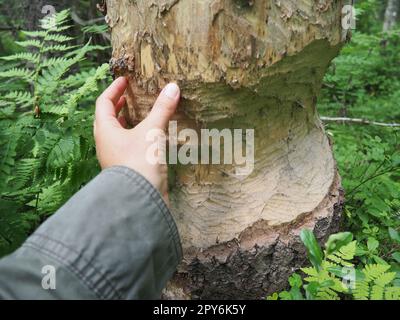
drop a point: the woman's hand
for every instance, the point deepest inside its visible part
(118, 146)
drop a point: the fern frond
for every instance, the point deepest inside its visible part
(50, 199)
(55, 22)
(13, 226)
(78, 79)
(344, 255)
(59, 29)
(29, 43)
(21, 98)
(61, 153)
(34, 34)
(334, 258)
(8, 146)
(327, 294)
(88, 48)
(361, 290)
(6, 110)
(385, 279)
(53, 61)
(24, 173)
(392, 293)
(96, 29)
(57, 38)
(311, 271)
(58, 48)
(374, 271)
(24, 56)
(377, 292)
(348, 251)
(62, 17)
(89, 86)
(21, 73)
(48, 81)
(374, 282)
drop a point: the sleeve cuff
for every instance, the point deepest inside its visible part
(116, 235)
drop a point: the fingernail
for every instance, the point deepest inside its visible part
(171, 90)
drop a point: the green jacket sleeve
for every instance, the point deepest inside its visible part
(114, 239)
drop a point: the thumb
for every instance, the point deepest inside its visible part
(164, 107)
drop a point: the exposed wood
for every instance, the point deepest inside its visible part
(251, 65)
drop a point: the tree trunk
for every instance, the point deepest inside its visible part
(249, 65)
(391, 13)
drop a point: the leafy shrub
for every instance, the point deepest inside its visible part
(362, 82)
(370, 169)
(46, 147)
(364, 77)
(333, 274)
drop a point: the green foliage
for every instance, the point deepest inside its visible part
(46, 147)
(313, 249)
(367, 13)
(338, 277)
(363, 82)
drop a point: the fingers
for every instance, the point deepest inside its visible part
(121, 103)
(110, 102)
(115, 90)
(122, 121)
(164, 107)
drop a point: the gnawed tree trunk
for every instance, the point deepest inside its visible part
(391, 14)
(240, 64)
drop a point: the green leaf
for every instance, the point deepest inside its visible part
(29, 43)
(379, 260)
(296, 294)
(338, 240)
(27, 56)
(312, 290)
(295, 281)
(313, 249)
(274, 296)
(284, 295)
(372, 244)
(34, 34)
(21, 73)
(58, 48)
(396, 256)
(58, 38)
(394, 235)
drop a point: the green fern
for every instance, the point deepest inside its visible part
(46, 145)
(375, 283)
(23, 56)
(336, 276)
(19, 73)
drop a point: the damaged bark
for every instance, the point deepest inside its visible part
(241, 65)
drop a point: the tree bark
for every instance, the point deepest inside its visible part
(248, 65)
(391, 14)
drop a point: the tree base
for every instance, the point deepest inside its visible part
(260, 261)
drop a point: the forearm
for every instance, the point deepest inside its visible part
(115, 239)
